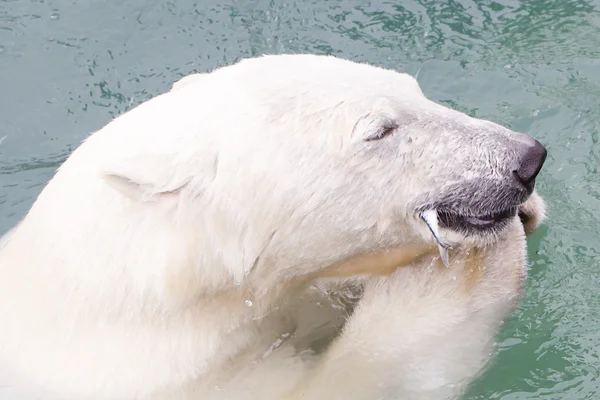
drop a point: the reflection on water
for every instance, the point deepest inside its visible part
(66, 68)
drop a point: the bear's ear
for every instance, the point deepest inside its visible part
(137, 191)
(146, 180)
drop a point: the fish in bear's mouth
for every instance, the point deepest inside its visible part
(435, 219)
(483, 208)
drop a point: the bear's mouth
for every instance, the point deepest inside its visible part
(464, 223)
(475, 222)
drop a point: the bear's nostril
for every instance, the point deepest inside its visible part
(531, 163)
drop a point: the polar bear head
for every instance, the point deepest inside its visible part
(392, 158)
(279, 166)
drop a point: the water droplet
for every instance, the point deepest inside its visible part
(453, 278)
(55, 15)
(218, 387)
(1, 49)
(248, 303)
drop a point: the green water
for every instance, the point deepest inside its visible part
(68, 67)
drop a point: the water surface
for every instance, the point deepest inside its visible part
(67, 68)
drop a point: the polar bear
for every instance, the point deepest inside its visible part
(178, 252)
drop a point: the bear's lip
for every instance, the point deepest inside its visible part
(478, 222)
(465, 223)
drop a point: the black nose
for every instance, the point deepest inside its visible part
(531, 163)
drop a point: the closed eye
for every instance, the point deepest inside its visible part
(381, 132)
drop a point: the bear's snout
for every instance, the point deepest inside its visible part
(531, 163)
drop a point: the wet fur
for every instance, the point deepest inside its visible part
(131, 275)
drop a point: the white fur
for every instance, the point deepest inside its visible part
(175, 246)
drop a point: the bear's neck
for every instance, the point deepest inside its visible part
(73, 315)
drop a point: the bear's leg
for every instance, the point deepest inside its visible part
(421, 334)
